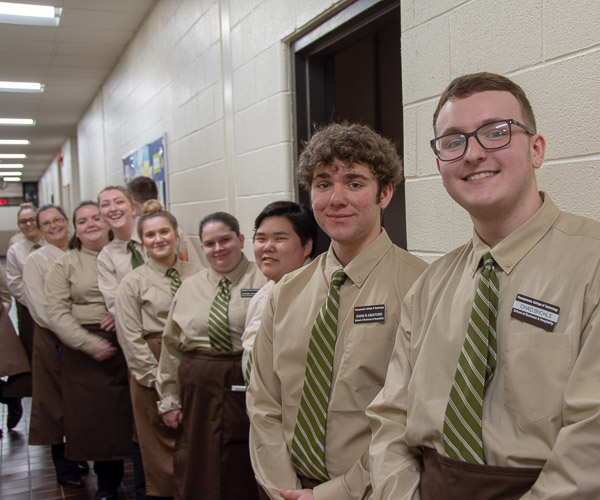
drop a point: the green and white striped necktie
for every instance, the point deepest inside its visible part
(136, 257)
(476, 365)
(308, 444)
(175, 280)
(218, 322)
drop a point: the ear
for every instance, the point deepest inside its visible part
(437, 162)
(538, 150)
(386, 195)
(308, 246)
(242, 239)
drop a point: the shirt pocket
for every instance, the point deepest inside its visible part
(536, 370)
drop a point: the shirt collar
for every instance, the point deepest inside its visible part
(233, 276)
(161, 269)
(509, 252)
(359, 268)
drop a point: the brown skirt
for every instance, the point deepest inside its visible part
(156, 440)
(98, 416)
(46, 424)
(14, 360)
(212, 458)
(444, 478)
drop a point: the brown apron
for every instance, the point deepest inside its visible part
(98, 416)
(14, 361)
(46, 423)
(212, 458)
(444, 478)
(156, 440)
(26, 325)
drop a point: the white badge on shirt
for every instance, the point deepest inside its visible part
(535, 312)
(369, 314)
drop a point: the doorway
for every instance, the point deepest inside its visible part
(349, 68)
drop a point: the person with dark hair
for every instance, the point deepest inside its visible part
(15, 260)
(144, 189)
(46, 425)
(285, 236)
(97, 408)
(142, 304)
(199, 377)
(327, 331)
(510, 321)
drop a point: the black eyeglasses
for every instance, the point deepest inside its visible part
(31, 220)
(493, 135)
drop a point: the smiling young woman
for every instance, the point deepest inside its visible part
(142, 304)
(95, 392)
(202, 349)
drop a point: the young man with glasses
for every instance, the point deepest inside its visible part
(493, 389)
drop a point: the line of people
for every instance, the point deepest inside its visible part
(368, 373)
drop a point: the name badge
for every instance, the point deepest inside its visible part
(369, 314)
(249, 292)
(535, 312)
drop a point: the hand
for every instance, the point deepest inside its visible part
(173, 418)
(103, 350)
(108, 322)
(297, 494)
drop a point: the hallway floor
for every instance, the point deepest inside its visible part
(27, 472)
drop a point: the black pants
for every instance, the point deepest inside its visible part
(65, 469)
(110, 474)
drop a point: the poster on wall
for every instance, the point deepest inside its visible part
(150, 161)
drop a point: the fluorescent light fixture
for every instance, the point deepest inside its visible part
(11, 173)
(12, 156)
(21, 13)
(11, 179)
(21, 87)
(14, 142)
(17, 121)
(11, 165)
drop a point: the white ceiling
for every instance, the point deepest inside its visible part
(72, 60)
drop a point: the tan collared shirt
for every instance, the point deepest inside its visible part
(542, 407)
(380, 275)
(16, 255)
(142, 303)
(114, 262)
(187, 324)
(37, 266)
(253, 318)
(72, 299)
(5, 296)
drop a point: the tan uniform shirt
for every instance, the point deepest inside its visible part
(253, 318)
(114, 262)
(37, 266)
(142, 304)
(5, 296)
(187, 324)
(15, 261)
(380, 275)
(542, 407)
(72, 299)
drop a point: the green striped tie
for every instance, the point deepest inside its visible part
(136, 256)
(476, 365)
(308, 445)
(175, 280)
(218, 324)
(248, 368)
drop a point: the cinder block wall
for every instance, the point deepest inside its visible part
(551, 48)
(215, 76)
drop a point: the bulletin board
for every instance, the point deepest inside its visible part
(150, 161)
